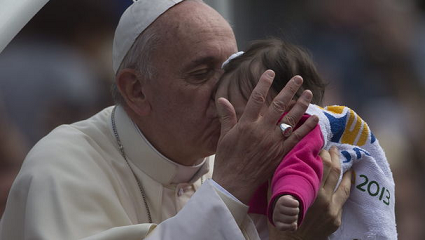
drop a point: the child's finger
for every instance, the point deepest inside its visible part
(286, 226)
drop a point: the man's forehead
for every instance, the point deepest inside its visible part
(189, 10)
(205, 54)
(191, 18)
(204, 47)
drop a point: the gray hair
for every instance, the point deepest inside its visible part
(138, 58)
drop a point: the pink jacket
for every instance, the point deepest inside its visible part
(299, 174)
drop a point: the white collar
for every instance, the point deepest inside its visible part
(140, 152)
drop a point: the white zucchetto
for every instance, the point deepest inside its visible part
(139, 16)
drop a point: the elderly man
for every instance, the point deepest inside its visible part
(129, 171)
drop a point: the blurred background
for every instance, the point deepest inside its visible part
(371, 52)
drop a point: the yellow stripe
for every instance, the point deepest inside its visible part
(364, 134)
(349, 136)
(335, 109)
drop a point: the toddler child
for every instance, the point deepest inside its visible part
(369, 211)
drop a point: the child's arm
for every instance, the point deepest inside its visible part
(299, 174)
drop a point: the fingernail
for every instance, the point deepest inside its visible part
(270, 73)
(298, 80)
(308, 94)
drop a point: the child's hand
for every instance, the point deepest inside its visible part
(285, 213)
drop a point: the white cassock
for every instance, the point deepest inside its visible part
(75, 184)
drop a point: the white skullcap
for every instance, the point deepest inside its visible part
(139, 16)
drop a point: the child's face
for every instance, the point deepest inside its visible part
(237, 92)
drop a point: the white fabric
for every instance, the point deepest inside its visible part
(175, 228)
(369, 211)
(139, 16)
(13, 17)
(74, 184)
(224, 191)
(184, 173)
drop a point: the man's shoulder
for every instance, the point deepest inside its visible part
(79, 146)
(97, 124)
(89, 132)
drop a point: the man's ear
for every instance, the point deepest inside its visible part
(131, 86)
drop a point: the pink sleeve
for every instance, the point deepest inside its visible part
(300, 173)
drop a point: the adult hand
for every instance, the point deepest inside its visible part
(324, 216)
(249, 151)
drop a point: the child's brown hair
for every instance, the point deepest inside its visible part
(284, 58)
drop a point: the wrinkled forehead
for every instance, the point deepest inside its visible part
(190, 18)
(191, 31)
